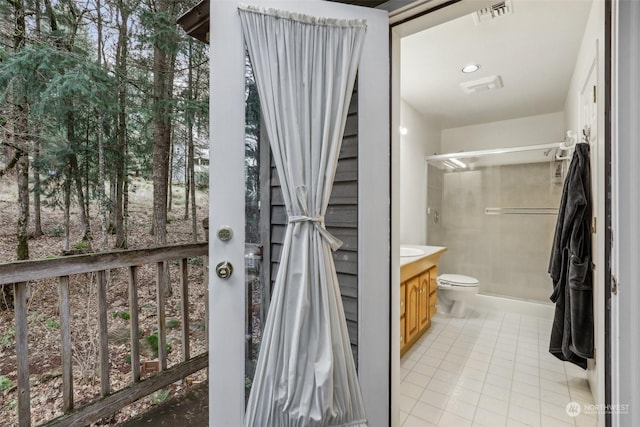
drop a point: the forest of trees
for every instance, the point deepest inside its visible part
(93, 93)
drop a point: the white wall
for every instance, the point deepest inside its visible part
(592, 51)
(594, 31)
(531, 130)
(422, 139)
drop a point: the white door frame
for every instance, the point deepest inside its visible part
(625, 158)
(407, 21)
(226, 207)
(422, 14)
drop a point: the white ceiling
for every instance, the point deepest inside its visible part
(534, 50)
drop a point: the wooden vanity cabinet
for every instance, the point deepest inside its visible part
(418, 298)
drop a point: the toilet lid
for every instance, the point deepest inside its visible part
(457, 280)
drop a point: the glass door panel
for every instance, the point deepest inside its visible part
(257, 282)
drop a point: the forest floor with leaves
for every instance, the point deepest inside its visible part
(44, 319)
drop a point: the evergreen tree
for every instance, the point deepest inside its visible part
(84, 84)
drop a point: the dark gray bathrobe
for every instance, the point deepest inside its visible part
(570, 266)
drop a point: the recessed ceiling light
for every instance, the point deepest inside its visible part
(470, 68)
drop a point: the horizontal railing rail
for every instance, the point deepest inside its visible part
(21, 273)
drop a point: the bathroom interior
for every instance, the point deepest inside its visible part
(493, 103)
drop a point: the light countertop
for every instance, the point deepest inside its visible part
(428, 251)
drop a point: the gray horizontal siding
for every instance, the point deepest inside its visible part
(341, 220)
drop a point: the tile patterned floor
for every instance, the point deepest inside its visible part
(490, 370)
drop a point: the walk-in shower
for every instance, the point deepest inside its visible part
(496, 210)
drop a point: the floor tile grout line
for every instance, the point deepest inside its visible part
(512, 372)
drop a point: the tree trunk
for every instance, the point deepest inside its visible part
(125, 202)
(186, 187)
(162, 94)
(87, 179)
(163, 65)
(21, 130)
(121, 75)
(112, 198)
(74, 172)
(37, 218)
(119, 196)
(84, 217)
(23, 205)
(170, 175)
(102, 199)
(38, 13)
(192, 186)
(191, 154)
(67, 210)
(37, 211)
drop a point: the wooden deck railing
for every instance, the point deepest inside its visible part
(20, 273)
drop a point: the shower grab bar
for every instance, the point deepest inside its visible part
(521, 211)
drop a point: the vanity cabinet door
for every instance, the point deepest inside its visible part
(423, 306)
(433, 291)
(433, 280)
(403, 299)
(403, 306)
(412, 325)
(433, 299)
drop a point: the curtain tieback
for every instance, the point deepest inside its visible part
(318, 222)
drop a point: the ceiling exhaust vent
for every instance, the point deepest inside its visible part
(492, 12)
(482, 85)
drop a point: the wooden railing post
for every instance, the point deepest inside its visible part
(65, 335)
(161, 286)
(103, 347)
(21, 294)
(133, 309)
(184, 305)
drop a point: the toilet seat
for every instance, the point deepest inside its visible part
(449, 280)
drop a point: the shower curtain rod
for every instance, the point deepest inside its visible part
(466, 154)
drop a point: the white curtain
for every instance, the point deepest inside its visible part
(305, 69)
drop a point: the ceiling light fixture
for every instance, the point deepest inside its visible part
(458, 162)
(448, 164)
(470, 68)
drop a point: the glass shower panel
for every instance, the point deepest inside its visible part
(497, 217)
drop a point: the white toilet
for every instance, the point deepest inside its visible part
(454, 292)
